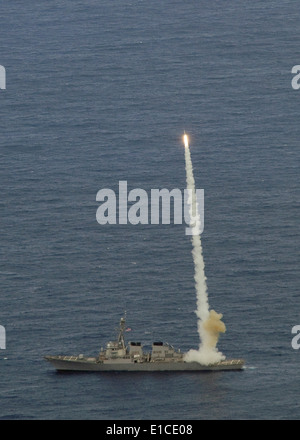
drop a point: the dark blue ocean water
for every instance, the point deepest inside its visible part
(99, 92)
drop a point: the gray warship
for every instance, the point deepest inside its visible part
(119, 357)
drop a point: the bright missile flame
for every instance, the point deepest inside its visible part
(186, 140)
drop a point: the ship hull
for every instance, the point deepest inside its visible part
(64, 363)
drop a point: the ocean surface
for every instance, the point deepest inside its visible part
(100, 92)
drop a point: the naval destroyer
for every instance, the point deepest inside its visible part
(121, 357)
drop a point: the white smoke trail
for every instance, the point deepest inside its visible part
(209, 322)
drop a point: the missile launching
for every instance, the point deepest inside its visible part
(209, 322)
(185, 140)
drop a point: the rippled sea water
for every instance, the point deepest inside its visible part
(100, 92)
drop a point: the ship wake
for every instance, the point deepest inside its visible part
(210, 323)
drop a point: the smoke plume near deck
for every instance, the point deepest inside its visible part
(210, 324)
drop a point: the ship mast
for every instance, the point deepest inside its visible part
(121, 341)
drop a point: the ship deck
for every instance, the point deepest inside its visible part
(79, 363)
